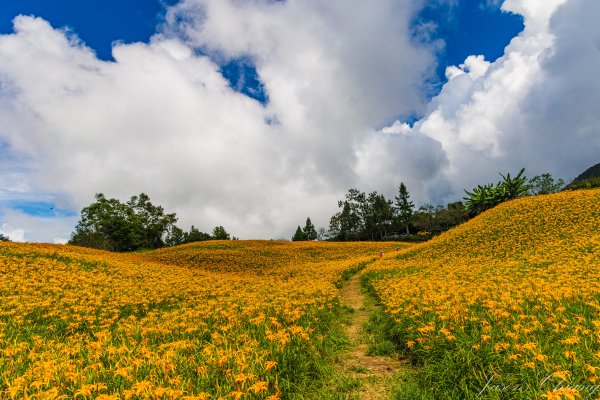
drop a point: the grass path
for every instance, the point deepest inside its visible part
(377, 373)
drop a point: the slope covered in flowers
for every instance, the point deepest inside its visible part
(208, 320)
(506, 305)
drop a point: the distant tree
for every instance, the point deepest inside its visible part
(404, 207)
(4, 238)
(219, 233)
(149, 223)
(299, 235)
(377, 216)
(108, 224)
(310, 233)
(195, 235)
(544, 184)
(175, 237)
(345, 224)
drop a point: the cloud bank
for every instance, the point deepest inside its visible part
(162, 119)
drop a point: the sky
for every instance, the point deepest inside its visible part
(257, 114)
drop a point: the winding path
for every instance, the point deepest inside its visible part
(375, 373)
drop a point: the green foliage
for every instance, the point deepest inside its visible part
(588, 179)
(436, 219)
(544, 184)
(4, 238)
(194, 235)
(362, 217)
(108, 224)
(404, 207)
(590, 183)
(483, 197)
(177, 236)
(299, 235)
(219, 233)
(307, 233)
(310, 233)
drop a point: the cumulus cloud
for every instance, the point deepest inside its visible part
(163, 120)
(534, 107)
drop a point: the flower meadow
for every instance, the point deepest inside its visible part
(219, 319)
(504, 306)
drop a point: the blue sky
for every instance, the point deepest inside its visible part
(189, 120)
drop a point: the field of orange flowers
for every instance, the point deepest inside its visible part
(504, 306)
(234, 319)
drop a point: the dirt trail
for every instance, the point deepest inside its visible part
(376, 373)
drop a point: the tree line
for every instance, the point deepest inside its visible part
(372, 217)
(109, 224)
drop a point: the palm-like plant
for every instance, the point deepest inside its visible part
(479, 199)
(514, 187)
(483, 197)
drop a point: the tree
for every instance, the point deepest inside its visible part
(544, 184)
(4, 238)
(108, 224)
(377, 216)
(195, 235)
(345, 225)
(149, 222)
(404, 207)
(299, 235)
(175, 237)
(310, 233)
(487, 196)
(219, 233)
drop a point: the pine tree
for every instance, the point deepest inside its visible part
(299, 235)
(310, 233)
(404, 207)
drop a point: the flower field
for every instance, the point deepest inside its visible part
(234, 319)
(504, 306)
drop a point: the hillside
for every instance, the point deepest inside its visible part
(204, 320)
(515, 290)
(506, 305)
(588, 179)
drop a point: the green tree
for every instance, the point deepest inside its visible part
(4, 238)
(299, 235)
(219, 233)
(404, 207)
(149, 223)
(487, 196)
(111, 225)
(175, 237)
(195, 235)
(544, 184)
(310, 233)
(377, 216)
(345, 224)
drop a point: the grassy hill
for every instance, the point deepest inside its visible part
(207, 320)
(508, 300)
(590, 178)
(504, 306)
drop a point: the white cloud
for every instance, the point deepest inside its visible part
(14, 234)
(534, 107)
(20, 227)
(163, 120)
